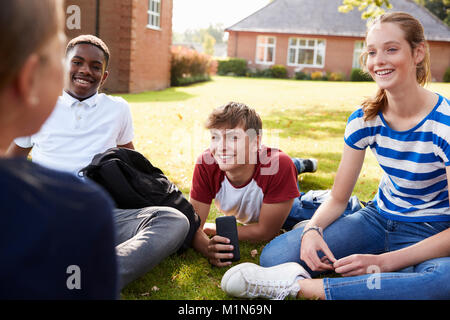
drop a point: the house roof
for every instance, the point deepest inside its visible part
(321, 17)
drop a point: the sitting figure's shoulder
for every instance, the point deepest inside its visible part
(30, 184)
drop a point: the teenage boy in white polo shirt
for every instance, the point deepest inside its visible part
(85, 123)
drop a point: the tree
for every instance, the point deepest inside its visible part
(198, 35)
(373, 8)
(208, 44)
(440, 8)
(369, 8)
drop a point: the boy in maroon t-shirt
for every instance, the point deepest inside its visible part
(255, 183)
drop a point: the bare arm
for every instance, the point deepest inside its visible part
(346, 177)
(129, 145)
(270, 221)
(345, 180)
(15, 151)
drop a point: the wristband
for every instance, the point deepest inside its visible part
(316, 228)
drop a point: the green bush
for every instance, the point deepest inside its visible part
(189, 66)
(447, 75)
(359, 75)
(232, 66)
(300, 75)
(278, 71)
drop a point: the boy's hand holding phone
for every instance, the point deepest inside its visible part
(224, 246)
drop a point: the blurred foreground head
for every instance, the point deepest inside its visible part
(31, 65)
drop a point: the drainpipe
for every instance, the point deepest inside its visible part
(97, 19)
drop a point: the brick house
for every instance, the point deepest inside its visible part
(311, 35)
(138, 34)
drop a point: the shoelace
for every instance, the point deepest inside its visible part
(275, 290)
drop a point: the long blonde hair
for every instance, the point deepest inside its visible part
(414, 34)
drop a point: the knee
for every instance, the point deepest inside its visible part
(438, 273)
(269, 256)
(178, 221)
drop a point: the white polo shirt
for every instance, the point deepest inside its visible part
(76, 131)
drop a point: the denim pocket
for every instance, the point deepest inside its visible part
(436, 226)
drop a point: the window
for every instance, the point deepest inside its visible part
(357, 51)
(265, 50)
(306, 52)
(154, 14)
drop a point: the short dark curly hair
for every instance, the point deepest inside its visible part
(92, 40)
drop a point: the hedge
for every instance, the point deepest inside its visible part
(189, 66)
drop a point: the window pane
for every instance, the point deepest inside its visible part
(271, 40)
(319, 60)
(306, 56)
(311, 43)
(292, 56)
(293, 41)
(302, 42)
(156, 21)
(260, 54)
(269, 55)
(158, 7)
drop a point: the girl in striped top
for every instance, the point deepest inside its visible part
(403, 235)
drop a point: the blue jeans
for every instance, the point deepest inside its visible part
(368, 232)
(306, 205)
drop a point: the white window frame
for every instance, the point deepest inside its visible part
(154, 15)
(297, 47)
(266, 45)
(358, 49)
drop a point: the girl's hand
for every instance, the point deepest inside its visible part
(358, 264)
(217, 244)
(313, 242)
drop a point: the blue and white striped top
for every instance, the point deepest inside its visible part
(414, 185)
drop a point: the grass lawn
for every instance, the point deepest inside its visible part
(302, 118)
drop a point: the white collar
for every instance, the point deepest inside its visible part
(70, 101)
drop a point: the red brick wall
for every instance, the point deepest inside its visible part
(440, 59)
(338, 52)
(140, 57)
(150, 48)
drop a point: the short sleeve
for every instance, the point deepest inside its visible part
(282, 185)
(203, 181)
(126, 133)
(441, 132)
(356, 133)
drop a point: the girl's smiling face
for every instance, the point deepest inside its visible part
(390, 59)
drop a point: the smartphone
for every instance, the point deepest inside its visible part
(226, 227)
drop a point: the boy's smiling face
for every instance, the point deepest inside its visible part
(86, 70)
(233, 148)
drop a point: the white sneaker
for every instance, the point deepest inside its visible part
(248, 280)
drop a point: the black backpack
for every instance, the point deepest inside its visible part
(133, 182)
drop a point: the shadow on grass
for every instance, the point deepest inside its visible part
(167, 95)
(313, 123)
